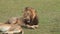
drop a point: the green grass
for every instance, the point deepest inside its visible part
(48, 13)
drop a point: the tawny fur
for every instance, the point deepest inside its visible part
(10, 28)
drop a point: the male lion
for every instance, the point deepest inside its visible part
(30, 17)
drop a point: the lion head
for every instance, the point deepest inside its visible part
(30, 15)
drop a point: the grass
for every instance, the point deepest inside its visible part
(48, 13)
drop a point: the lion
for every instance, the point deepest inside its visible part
(10, 28)
(12, 20)
(15, 20)
(18, 21)
(30, 17)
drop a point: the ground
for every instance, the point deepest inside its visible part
(48, 12)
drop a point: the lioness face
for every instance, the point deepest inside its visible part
(12, 20)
